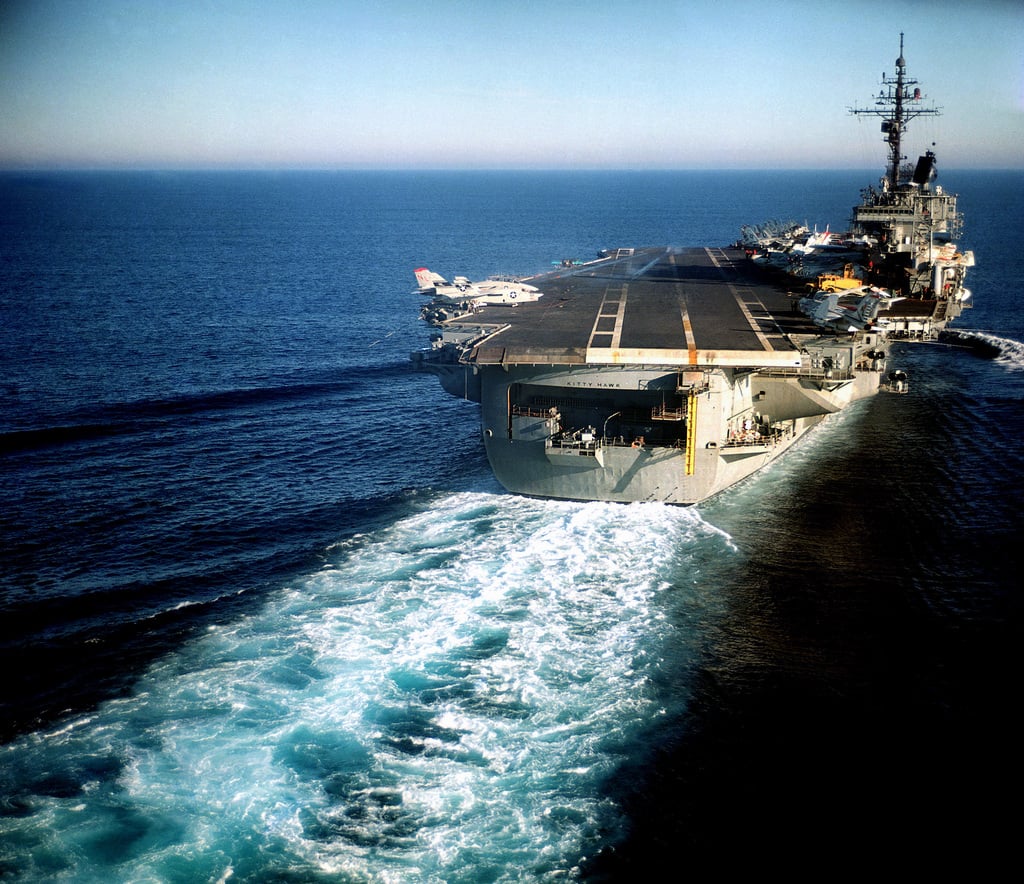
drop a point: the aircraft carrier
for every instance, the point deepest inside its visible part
(654, 374)
(659, 374)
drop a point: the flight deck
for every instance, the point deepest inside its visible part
(655, 306)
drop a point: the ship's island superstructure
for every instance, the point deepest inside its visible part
(900, 235)
(908, 223)
(659, 374)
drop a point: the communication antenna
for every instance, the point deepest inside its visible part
(897, 104)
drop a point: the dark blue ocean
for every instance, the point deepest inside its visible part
(266, 615)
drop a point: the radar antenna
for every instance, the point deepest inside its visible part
(896, 106)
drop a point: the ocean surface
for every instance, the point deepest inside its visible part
(266, 615)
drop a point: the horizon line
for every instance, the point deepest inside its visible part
(9, 170)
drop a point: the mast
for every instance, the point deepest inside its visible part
(895, 106)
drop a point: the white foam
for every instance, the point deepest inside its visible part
(1011, 352)
(446, 695)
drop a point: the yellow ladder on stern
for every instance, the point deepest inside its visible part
(691, 433)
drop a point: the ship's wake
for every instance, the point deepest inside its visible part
(989, 346)
(441, 702)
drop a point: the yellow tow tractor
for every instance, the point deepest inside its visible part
(833, 282)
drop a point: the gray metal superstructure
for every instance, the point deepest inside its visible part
(908, 223)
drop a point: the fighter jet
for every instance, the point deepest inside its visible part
(828, 309)
(494, 290)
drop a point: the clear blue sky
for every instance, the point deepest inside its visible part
(523, 84)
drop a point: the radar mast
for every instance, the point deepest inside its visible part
(896, 107)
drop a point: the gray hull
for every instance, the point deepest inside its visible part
(680, 462)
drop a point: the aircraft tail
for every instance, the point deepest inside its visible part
(426, 280)
(867, 307)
